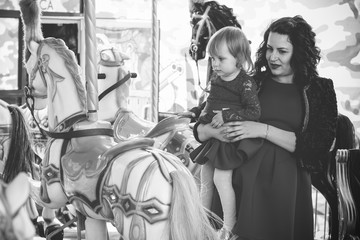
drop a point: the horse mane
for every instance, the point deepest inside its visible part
(345, 133)
(220, 15)
(70, 63)
(21, 154)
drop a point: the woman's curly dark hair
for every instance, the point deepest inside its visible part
(306, 55)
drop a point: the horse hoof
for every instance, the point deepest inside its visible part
(58, 235)
(39, 229)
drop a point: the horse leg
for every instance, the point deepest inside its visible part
(34, 214)
(52, 224)
(95, 229)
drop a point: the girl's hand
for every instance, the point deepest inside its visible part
(244, 129)
(217, 120)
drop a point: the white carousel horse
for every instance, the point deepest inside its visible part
(15, 223)
(14, 219)
(17, 155)
(112, 71)
(144, 192)
(172, 134)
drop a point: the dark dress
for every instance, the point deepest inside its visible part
(273, 195)
(238, 101)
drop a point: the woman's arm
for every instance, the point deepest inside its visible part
(249, 129)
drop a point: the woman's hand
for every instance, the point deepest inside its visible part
(206, 131)
(248, 129)
(245, 129)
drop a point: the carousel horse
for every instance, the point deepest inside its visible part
(206, 18)
(146, 193)
(17, 155)
(347, 182)
(15, 223)
(172, 134)
(113, 81)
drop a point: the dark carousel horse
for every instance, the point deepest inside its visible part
(339, 183)
(206, 19)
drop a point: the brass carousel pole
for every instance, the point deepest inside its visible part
(90, 60)
(155, 64)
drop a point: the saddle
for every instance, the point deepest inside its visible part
(85, 163)
(128, 125)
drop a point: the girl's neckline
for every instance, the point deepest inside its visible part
(237, 75)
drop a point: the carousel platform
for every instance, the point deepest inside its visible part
(71, 233)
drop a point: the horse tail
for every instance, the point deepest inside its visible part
(188, 218)
(30, 14)
(21, 154)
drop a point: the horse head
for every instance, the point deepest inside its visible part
(14, 219)
(206, 19)
(54, 80)
(113, 82)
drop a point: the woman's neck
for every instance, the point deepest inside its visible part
(288, 79)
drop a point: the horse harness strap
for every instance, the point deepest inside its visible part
(81, 133)
(114, 86)
(71, 121)
(78, 133)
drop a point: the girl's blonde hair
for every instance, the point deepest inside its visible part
(237, 44)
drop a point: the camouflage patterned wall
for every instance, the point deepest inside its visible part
(336, 22)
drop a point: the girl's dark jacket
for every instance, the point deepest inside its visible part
(314, 141)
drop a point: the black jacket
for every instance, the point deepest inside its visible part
(313, 142)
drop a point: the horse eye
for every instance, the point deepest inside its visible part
(105, 57)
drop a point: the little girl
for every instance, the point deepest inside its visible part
(232, 97)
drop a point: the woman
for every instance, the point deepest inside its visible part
(298, 123)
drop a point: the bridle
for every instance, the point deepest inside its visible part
(204, 21)
(41, 67)
(118, 62)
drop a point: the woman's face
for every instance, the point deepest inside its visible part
(278, 55)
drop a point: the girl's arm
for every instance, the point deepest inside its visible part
(250, 105)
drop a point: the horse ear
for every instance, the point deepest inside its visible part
(33, 46)
(18, 191)
(124, 56)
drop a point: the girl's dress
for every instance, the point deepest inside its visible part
(275, 194)
(237, 99)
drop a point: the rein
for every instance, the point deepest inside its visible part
(194, 46)
(66, 124)
(116, 85)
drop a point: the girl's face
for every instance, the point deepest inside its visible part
(278, 55)
(225, 64)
